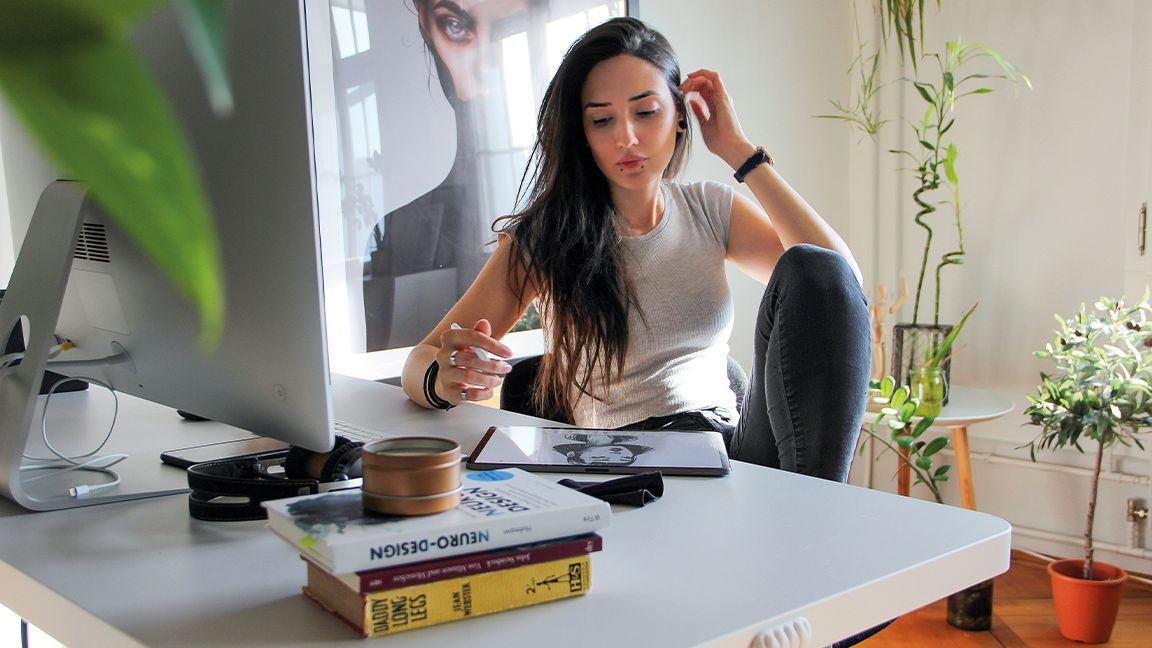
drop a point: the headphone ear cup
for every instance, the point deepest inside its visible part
(296, 463)
(343, 462)
(340, 463)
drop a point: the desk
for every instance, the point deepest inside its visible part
(713, 562)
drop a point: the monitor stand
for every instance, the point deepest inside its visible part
(32, 301)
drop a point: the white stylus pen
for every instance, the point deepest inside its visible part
(480, 353)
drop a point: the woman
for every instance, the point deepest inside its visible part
(628, 271)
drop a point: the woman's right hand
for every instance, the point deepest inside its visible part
(716, 115)
(464, 376)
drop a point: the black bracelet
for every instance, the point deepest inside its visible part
(756, 159)
(430, 388)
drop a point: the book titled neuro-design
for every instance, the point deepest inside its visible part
(498, 508)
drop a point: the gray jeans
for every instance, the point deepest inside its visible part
(809, 380)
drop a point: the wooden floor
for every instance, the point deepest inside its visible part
(1022, 616)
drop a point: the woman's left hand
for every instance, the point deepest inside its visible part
(716, 115)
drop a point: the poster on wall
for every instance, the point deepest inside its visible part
(435, 106)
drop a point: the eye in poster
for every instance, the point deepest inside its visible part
(434, 108)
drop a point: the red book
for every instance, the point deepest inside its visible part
(429, 571)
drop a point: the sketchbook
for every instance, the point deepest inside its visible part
(548, 449)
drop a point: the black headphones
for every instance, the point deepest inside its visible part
(216, 485)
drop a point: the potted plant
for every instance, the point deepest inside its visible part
(1100, 391)
(899, 426)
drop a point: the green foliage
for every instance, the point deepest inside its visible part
(1100, 389)
(935, 357)
(861, 112)
(899, 429)
(70, 74)
(905, 20)
(936, 155)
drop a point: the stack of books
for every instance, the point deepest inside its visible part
(515, 540)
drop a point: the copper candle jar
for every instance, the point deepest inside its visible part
(411, 475)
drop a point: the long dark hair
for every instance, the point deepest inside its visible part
(564, 242)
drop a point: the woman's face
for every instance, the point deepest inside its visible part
(464, 34)
(630, 121)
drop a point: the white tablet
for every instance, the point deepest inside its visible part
(546, 449)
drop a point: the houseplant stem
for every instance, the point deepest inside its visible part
(1089, 550)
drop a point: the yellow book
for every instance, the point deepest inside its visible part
(406, 608)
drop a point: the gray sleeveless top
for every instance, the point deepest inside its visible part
(678, 350)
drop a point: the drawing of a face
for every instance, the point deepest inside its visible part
(615, 455)
(465, 35)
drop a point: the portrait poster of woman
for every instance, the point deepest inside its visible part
(436, 105)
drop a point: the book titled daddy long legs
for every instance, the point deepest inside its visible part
(498, 508)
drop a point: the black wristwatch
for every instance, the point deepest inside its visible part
(756, 159)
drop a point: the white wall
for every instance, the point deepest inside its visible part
(1049, 221)
(24, 173)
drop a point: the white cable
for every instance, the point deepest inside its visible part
(91, 464)
(62, 463)
(9, 358)
(44, 421)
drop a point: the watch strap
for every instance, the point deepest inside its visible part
(756, 159)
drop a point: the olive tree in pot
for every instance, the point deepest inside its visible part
(1100, 391)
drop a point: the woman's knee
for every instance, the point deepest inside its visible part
(815, 268)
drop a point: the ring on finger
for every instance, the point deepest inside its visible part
(463, 395)
(452, 358)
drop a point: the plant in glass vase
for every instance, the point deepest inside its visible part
(1100, 391)
(929, 381)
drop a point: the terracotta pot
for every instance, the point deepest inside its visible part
(1086, 609)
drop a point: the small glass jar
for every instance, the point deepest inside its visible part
(930, 386)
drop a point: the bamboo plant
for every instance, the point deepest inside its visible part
(1100, 390)
(936, 153)
(903, 19)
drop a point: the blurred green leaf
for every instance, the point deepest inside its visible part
(63, 23)
(95, 109)
(204, 22)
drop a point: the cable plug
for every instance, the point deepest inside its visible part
(83, 490)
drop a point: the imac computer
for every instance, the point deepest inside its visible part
(78, 277)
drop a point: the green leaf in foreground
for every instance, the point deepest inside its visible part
(95, 109)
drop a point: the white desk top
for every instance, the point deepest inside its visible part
(715, 560)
